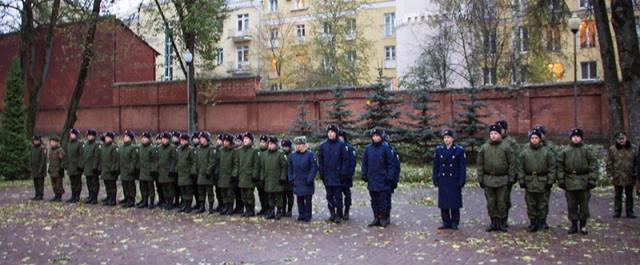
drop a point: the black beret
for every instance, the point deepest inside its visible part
(110, 135)
(166, 135)
(146, 134)
(264, 138)
(184, 136)
(273, 139)
(75, 131)
(576, 132)
(205, 135)
(176, 134)
(36, 137)
(129, 133)
(503, 124)
(92, 132)
(333, 127)
(449, 132)
(534, 131)
(227, 137)
(541, 128)
(378, 131)
(248, 134)
(286, 142)
(195, 135)
(495, 128)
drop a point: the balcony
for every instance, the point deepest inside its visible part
(241, 36)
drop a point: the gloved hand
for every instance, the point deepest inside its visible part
(523, 186)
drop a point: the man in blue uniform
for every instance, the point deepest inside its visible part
(378, 170)
(302, 170)
(332, 163)
(347, 180)
(449, 176)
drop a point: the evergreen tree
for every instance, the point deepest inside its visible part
(301, 126)
(338, 113)
(468, 123)
(380, 109)
(14, 144)
(419, 130)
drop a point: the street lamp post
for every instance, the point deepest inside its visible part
(574, 25)
(188, 58)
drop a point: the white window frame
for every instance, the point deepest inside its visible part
(390, 53)
(273, 6)
(489, 76)
(351, 28)
(168, 58)
(242, 23)
(523, 35)
(583, 4)
(301, 31)
(389, 24)
(219, 56)
(242, 56)
(591, 70)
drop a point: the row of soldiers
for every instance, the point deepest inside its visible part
(183, 168)
(535, 167)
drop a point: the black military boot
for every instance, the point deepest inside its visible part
(270, 214)
(152, 204)
(141, 202)
(187, 206)
(375, 222)
(56, 198)
(385, 220)
(543, 224)
(201, 208)
(339, 214)
(128, 203)
(123, 201)
(501, 225)
(574, 227)
(631, 215)
(278, 214)
(228, 209)
(533, 226)
(332, 215)
(289, 211)
(197, 204)
(112, 200)
(345, 216)
(211, 209)
(582, 227)
(72, 199)
(617, 214)
(217, 209)
(492, 227)
(239, 208)
(250, 210)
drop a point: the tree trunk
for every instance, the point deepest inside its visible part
(87, 56)
(623, 21)
(34, 91)
(27, 47)
(611, 82)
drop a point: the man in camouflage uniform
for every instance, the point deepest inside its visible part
(288, 187)
(511, 141)
(177, 197)
(262, 195)
(110, 168)
(227, 172)
(127, 160)
(158, 186)
(186, 169)
(147, 162)
(56, 168)
(217, 190)
(274, 174)
(91, 165)
(554, 149)
(73, 149)
(206, 159)
(38, 166)
(248, 168)
(195, 142)
(577, 175)
(536, 174)
(621, 166)
(496, 171)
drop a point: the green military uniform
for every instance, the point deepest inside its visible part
(496, 171)
(274, 174)
(38, 169)
(217, 190)
(74, 166)
(547, 194)
(248, 170)
(110, 168)
(227, 172)
(92, 169)
(186, 168)
(536, 174)
(147, 162)
(206, 164)
(166, 168)
(621, 166)
(262, 195)
(127, 161)
(511, 141)
(56, 171)
(577, 175)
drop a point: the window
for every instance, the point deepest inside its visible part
(523, 36)
(327, 63)
(588, 70)
(273, 5)
(219, 56)
(326, 28)
(390, 53)
(520, 6)
(168, 59)
(243, 23)
(553, 38)
(301, 33)
(490, 42)
(243, 56)
(389, 24)
(273, 38)
(489, 76)
(587, 33)
(351, 57)
(583, 4)
(351, 28)
(520, 74)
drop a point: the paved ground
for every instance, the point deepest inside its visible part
(60, 233)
